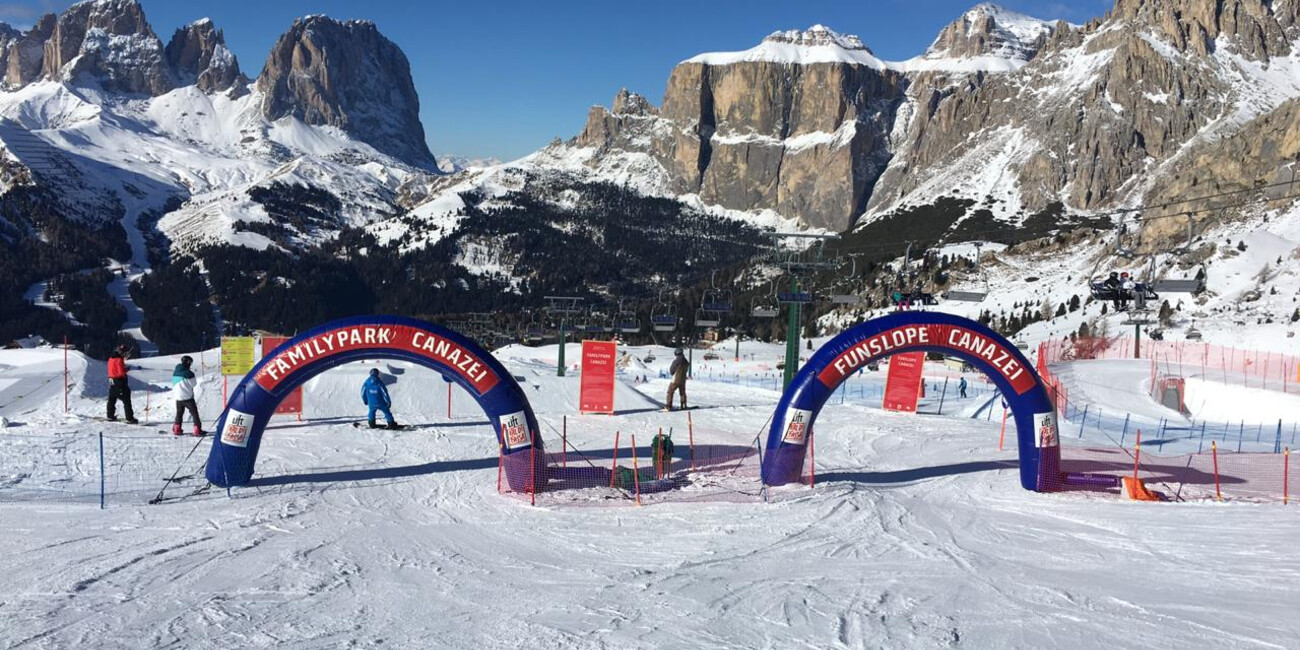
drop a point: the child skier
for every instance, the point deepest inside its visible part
(661, 448)
(374, 394)
(118, 388)
(183, 383)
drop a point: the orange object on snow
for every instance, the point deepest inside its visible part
(1137, 490)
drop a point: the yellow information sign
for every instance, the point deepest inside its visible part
(238, 354)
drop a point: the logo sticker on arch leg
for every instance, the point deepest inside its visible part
(796, 426)
(235, 431)
(514, 430)
(1045, 431)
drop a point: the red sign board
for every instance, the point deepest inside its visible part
(596, 394)
(292, 403)
(952, 337)
(443, 351)
(903, 385)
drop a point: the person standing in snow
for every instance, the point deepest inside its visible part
(183, 383)
(679, 370)
(962, 387)
(374, 394)
(118, 387)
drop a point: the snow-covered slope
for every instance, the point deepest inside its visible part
(916, 536)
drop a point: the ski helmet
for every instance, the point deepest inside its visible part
(187, 360)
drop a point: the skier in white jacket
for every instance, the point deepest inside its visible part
(183, 383)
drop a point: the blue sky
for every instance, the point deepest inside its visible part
(503, 78)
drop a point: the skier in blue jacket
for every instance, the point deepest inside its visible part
(374, 394)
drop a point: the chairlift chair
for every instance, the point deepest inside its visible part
(706, 318)
(625, 320)
(663, 316)
(716, 299)
(971, 296)
(765, 306)
(1193, 285)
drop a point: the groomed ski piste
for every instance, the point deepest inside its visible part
(917, 533)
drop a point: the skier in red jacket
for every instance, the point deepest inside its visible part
(117, 386)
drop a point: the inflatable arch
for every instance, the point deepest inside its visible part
(240, 428)
(912, 331)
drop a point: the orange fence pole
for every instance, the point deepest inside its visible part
(1003, 436)
(532, 474)
(613, 464)
(1214, 451)
(690, 431)
(1286, 471)
(658, 470)
(812, 461)
(636, 473)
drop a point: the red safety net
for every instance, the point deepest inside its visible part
(1251, 368)
(1214, 474)
(623, 468)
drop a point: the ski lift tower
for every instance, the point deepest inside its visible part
(797, 262)
(563, 307)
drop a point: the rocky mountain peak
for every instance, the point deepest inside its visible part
(347, 75)
(110, 42)
(817, 36)
(198, 55)
(1258, 29)
(989, 30)
(630, 103)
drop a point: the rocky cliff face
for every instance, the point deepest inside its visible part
(198, 55)
(1014, 112)
(795, 124)
(110, 42)
(347, 75)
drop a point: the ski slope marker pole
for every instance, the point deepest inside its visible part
(636, 472)
(613, 463)
(1286, 471)
(1137, 456)
(564, 443)
(1214, 452)
(1003, 436)
(65, 373)
(101, 470)
(448, 401)
(690, 432)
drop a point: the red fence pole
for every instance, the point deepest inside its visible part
(1286, 471)
(1214, 451)
(636, 473)
(613, 463)
(501, 461)
(1003, 436)
(225, 384)
(532, 474)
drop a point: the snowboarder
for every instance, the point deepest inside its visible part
(183, 383)
(661, 448)
(374, 394)
(118, 388)
(680, 368)
(962, 387)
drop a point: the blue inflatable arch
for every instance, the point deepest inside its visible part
(911, 331)
(239, 430)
